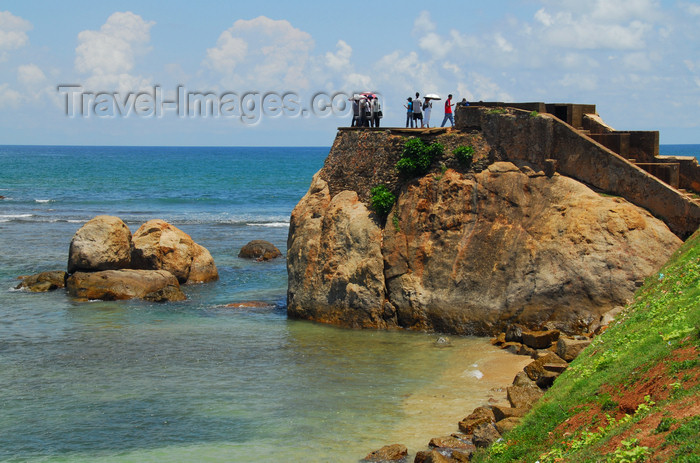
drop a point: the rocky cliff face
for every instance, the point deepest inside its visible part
(463, 251)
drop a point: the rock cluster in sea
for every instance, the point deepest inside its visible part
(105, 261)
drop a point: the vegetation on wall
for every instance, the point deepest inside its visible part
(381, 200)
(464, 155)
(417, 157)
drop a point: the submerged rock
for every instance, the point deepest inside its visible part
(259, 250)
(103, 243)
(110, 285)
(157, 245)
(44, 281)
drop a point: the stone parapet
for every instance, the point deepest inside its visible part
(519, 135)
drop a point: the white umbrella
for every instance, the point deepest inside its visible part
(433, 96)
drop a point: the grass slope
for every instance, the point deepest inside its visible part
(632, 395)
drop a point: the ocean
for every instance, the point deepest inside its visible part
(196, 380)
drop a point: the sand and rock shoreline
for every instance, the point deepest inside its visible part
(550, 352)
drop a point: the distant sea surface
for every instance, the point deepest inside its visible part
(198, 381)
(680, 150)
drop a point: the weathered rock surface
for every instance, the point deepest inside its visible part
(451, 442)
(334, 261)
(523, 396)
(485, 435)
(540, 339)
(501, 412)
(507, 424)
(479, 416)
(103, 243)
(394, 452)
(152, 285)
(157, 245)
(431, 456)
(44, 281)
(537, 369)
(259, 250)
(466, 253)
(568, 349)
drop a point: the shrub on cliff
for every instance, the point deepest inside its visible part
(464, 154)
(381, 200)
(417, 157)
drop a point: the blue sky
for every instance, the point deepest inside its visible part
(637, 60)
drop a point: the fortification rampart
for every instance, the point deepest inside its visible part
(517, 134)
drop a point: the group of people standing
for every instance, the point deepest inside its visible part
(417, 110)
(366, 111)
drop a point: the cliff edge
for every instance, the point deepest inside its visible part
(464, 250)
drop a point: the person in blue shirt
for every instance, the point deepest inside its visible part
(409, 111)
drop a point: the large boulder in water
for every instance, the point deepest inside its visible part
(110, 285)
(157, 245)
(259, 250)
(103, 243)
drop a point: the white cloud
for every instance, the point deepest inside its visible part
(13, 33)
(30, 75)
(262, 52)
(423, 23)
(691, 8)
(563, 29)
(9, 98)
(638, 61)
(340, 60)
(109, 55)
(580, 81)
(503, 44)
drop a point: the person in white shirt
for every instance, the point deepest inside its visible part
(418, 110)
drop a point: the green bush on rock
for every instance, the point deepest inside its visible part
(464, 154)
(381, 200)
(417, 157)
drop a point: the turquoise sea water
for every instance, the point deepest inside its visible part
(197, 381)
(680, 150)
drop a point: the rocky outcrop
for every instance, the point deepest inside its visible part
(105, 263)
(111, 285)
(466, 252)
(334, 261)
(44, 281)
(510, 244)
(157, 245)
(259, 250)
(103, 243)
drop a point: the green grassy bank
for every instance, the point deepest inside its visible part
(632, 395)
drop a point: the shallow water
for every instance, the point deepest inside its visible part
(132, 381)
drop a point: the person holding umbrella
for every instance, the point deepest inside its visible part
(428, 107)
